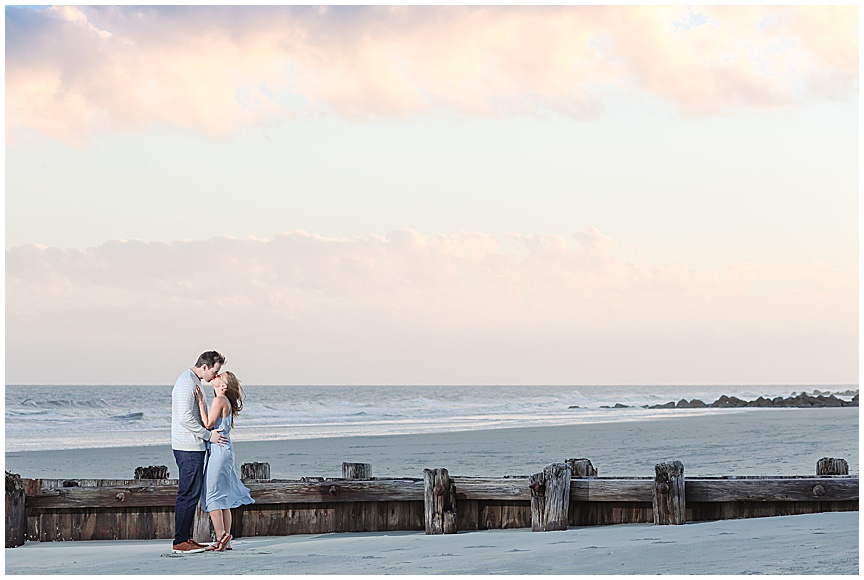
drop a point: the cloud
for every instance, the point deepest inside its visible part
(452, 283)
(72, 72)
(404, 307)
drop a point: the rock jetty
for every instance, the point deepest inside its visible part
(727, 402)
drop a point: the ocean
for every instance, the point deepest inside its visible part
(96, 416)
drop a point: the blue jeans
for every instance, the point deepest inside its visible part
(190, 480)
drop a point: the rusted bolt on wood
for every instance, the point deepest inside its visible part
(333, 490)
(818, 490)
(121, 496)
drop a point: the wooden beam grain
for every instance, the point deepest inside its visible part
(798, 489)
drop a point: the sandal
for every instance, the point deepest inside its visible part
(220, 544)
(223, 541)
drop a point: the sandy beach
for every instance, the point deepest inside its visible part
(760, 442)
(805, 544)
(773, 442)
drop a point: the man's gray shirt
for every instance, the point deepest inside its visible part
(187, 432)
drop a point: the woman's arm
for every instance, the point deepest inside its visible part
(202, 408)
(217, 407)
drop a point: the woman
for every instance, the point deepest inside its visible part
(222, 488)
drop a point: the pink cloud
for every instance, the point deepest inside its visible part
(463, 271)
(71, 72)
(404, 306)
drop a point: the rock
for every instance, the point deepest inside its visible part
(832, 401)
(694, 404)
(761, 402)
(727, 402)
(574, 407)
(801, 400)
(779, 402)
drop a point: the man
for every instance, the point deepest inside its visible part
(188, 441)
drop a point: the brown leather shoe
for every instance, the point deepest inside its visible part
(186, 547)
(194, 543)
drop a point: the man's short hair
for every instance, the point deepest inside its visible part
(210, 358)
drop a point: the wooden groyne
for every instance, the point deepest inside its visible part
(561, 495)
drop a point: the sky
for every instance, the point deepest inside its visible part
(461, 195)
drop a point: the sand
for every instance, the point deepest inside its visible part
(773, 442)
(804, 544)
(757, 442)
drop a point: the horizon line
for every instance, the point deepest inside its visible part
(458, 385)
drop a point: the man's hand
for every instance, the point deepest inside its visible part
(217, 437)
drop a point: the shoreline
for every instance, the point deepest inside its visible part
(786, 441)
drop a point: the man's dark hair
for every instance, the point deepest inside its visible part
(210, 358)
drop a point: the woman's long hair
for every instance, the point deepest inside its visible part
(234, 392)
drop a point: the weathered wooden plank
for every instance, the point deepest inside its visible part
(106, 525)
(715, 511)
(492, 489)
(467, 514)
(85, 524)
(49, 494)
(83, 497)
(515, 514)
(807, 489)
(375, 516)
(337, 491)
(611, 489)
(517, 489)
(604, 513)
(263, 492)
(405, 515)
(490, 515)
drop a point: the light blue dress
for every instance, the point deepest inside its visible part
(222, 487)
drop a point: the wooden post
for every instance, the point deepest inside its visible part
(202, 529)
(255, 471)
(581, 468)
(439, 502)
(668, 495)
(152, 472)
(16, 516)
(831, 466)
(356, 470)
(550, 498)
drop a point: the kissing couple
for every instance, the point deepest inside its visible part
(201, 442)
